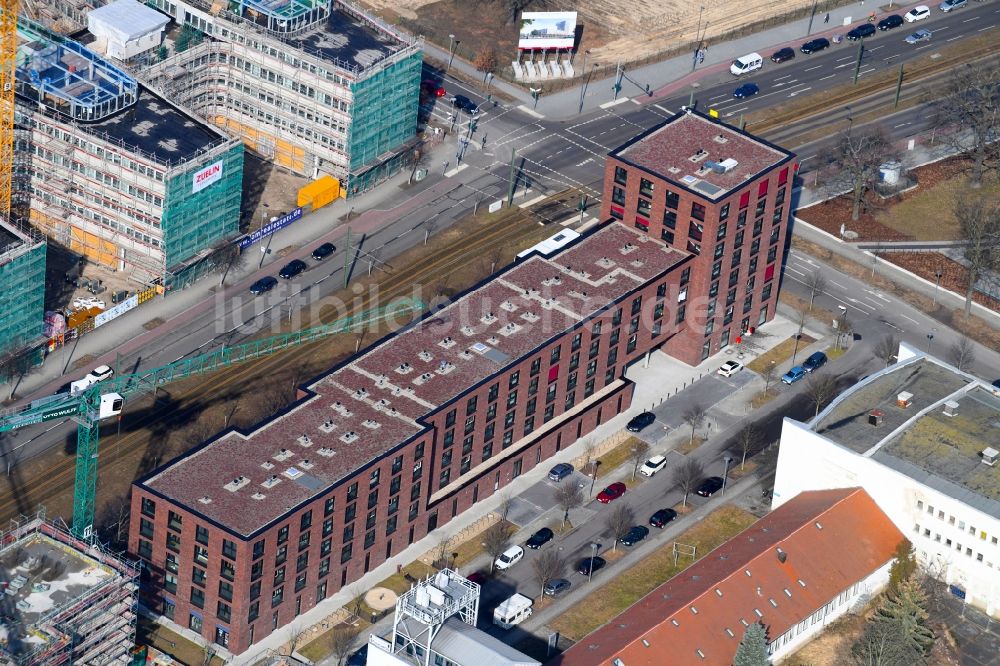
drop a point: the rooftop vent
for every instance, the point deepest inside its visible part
(509, 329)
(626, 248)
(237, 483)
(326, 452)
(468, 330)
(404, 367)
(465, 355)
(904, 399)
(508, 306)
(328, 426)
(548, 282)
(989, 455)
(349, 437)
(339, 407)
(493, 340)
(371, 424)
(529, 317)
(950, 408)
(360, 394)
(699, 155)
(782, 555)
(604, 262)
(673, 169)
(267, 465)
(282, 454)
(425, 355)
(423, 378)
(205, 499)
(381, 404)
(488, 318)
(875, 417)
(271, 481)
(304, 440)
(720, 138)
(258, 496)
(306, 464)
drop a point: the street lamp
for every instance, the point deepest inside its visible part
(725, 475)
(593, 553)
(451, 50)
(263, 215)
(937, 283)
(930, 336)
(697, 46)
(850, 119)
(593, 474)
(535, 92)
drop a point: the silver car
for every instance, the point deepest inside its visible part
(919, 36)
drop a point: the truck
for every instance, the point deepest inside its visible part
(511, 611)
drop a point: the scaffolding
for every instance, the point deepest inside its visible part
(92, 621)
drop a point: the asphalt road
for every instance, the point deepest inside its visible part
(550, 157)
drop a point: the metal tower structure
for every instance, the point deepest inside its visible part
(8, 65)
(423, 609)
(107, 399)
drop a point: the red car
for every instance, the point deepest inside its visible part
(433, 89)
(612, 492)
(477, 577)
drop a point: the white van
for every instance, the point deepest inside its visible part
(747, 63)
(509, 558)
(512, 611)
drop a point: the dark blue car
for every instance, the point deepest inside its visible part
(746, 90)
(814, 362)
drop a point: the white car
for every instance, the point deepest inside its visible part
(509, 558)
(653, 465)
(100, 373)
(918, 13)
(730, 368)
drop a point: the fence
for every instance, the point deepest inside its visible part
(465, 534)
(580, 462)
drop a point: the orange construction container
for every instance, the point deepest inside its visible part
(319, 193)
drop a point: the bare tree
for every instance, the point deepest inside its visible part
(767, 374)
(815, 283)
(441, 551)
(638, 454)
(856, 163)
(342, 641)
(687, 476)
(207, 654)
(547, 566)
(231, 258)
(970, 103)
(515, 7)
(748, 439)
(496, 539)
(568, 496)
(962, 353)
(694, 416)
(886, 348)
(882, 644)
(506, 501)
(486, 60)
(820, 387)
(799, 318)
(845, 329)
(495, 256)
(979, 224)
(619, 522)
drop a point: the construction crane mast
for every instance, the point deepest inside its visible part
(8, 67)
(108, 398)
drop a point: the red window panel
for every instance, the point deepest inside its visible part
(642, 223)
(769, 273)
(783, 176)
(745, 199)
(617, 212)
(554, 373)
(762, 188)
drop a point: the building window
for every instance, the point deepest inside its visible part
(618, 196)
(645, 188)
(643, 208)
(698, 211)
(283, 534)
(201, 555)
(348, 532)
(397, 466)
(225, 590)
(673, 200)
(148, 507)
(228, 549)
(281, 555)
(277, 596)
(198, 597)
(195, 623)
(621, 175)
(487, 451)
(300, 582)
(145, 549)
(174, 521)
(227, 570)
(304, 540)
(346, 552)
(350, 512)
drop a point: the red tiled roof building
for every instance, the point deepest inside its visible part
(247, 531)
(794, 571)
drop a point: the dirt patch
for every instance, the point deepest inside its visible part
(829, 648)
(927, 213)
(779, 353)
(268, 191)
(954, 276)
(879, 222)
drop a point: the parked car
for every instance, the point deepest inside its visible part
(100, 373)
(291, 269)
(730, 368)
(323, 251)
(662, 517)
(560, 472)
(949, 5)
(640, 421)
(918, 13)
(539, 538)
(861, 31)
(793, 375)
(509, 558)
(465, 104)
(555, 587)
(921, 35)
(814, 362)
(432, 89)
(358, 658)
(781, 55)
(653, 465)
(477, 577)
(890, 22)
(814, 45)
(263, 285)
(635, 535)
(611, 493)
(710, 486)
(746, 90)
(590, 564)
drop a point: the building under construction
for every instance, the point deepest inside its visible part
(63, 600)
(317, 86)
(22, 274)
(114, 171)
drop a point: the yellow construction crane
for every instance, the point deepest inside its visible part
(8, 66)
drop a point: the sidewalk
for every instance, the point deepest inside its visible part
(675, 74)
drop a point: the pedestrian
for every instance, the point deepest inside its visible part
(827, 19)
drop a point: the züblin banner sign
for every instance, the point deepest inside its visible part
(202, 179)
(269, 228)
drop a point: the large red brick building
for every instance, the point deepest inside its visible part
(250, 529)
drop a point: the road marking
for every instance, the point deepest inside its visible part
(455, 171)
(531, 202)
(782, 77)
(637, 102)
(794, 270)
(900, 125)
(989, 27)
(662, 109)
(722, 96)
(835, 284)
(608, 105)
(530, 112)
(975, 18)
(828, 77)
(944, 27)
(876, 48)
(954, 38)
(803, 159)
(799, 91)
(910, 318)
(809, 69)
